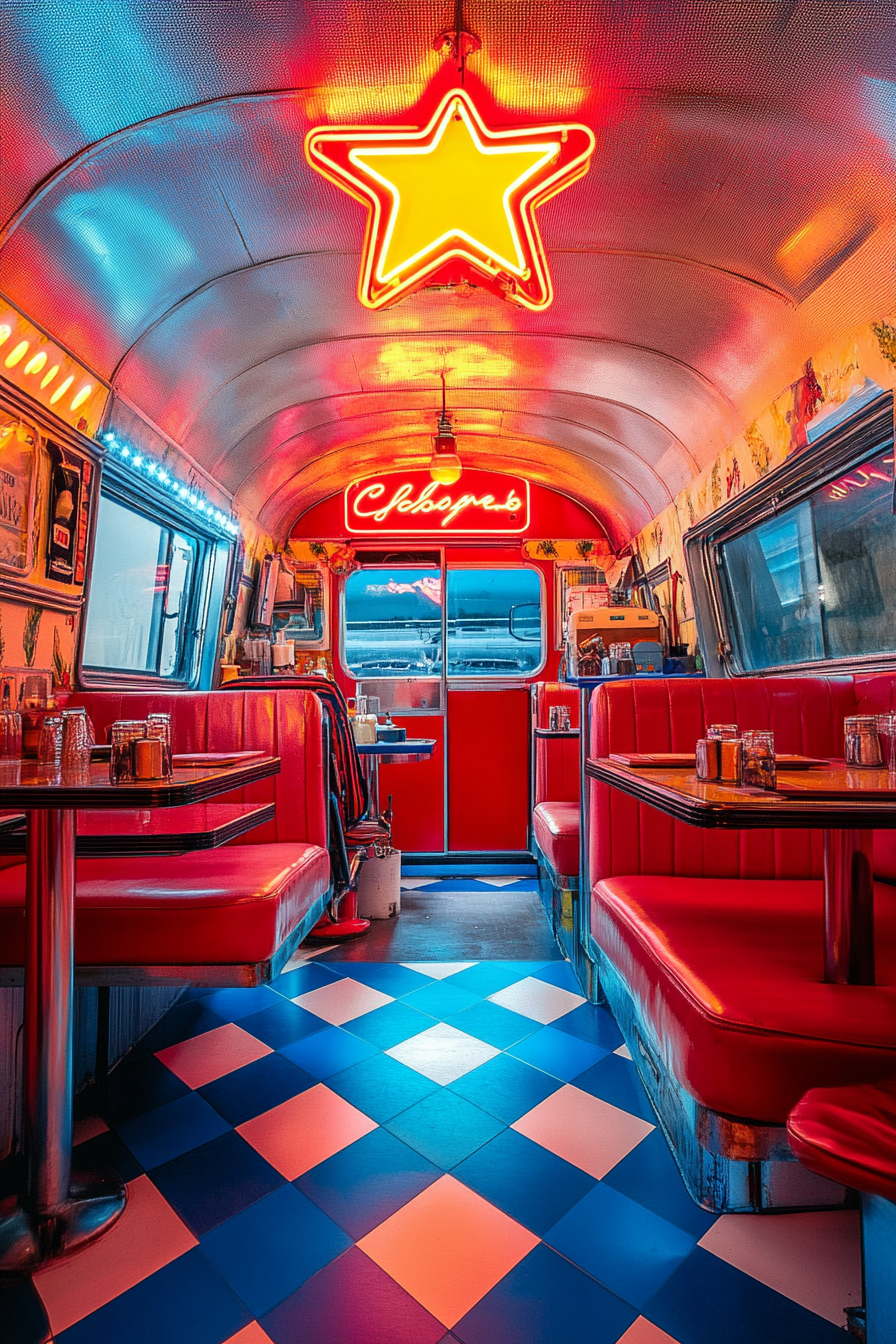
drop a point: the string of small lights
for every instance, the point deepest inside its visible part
(142, 464)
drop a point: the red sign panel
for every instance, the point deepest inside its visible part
(481, 503)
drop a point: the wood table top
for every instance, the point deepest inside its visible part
(831, 798)
(26, 784)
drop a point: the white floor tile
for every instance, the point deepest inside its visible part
(583, 1130)
(443, 1053)
(533, 998)
(342, 1001)
(439, 970)
(812, 1258)
(624, 1051)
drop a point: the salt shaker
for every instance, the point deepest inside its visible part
(759, 759)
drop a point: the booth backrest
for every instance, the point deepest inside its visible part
(556, 762)
(627, 837)
(876, 694)
(284, 723)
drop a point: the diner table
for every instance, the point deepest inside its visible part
(848, 804)
(154, 831)
(373, 754)
(57, 1212)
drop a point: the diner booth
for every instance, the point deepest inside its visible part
(448, 705)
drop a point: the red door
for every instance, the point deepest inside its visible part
(488, 769)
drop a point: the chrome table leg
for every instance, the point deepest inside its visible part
(56, 1214)
(848, 908)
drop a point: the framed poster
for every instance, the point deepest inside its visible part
(18, 476)
(64, 516)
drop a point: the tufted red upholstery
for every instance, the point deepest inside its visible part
(628, 837)
(286, 723)
(849, 1135)
(556, 827)
(877, 695)
(223, 906)
(727, 974)
(230, 906)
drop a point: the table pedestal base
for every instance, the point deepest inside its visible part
(345, 926)
(848, 908)
(28, 1240)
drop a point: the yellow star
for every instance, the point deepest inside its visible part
(454, 197)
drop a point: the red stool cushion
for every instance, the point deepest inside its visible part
(849, 1135)
(727, 973)
(227, 906)
(556, 827)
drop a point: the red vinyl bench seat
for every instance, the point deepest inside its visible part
(556, 828)
(726, 975)
(849, 1134)
(229, 906)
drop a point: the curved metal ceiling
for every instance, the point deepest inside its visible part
(164, 225)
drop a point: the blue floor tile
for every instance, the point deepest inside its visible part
(561, 974)
(234, 1004)
(546, 1300)
(558, 1053)
(188, 1018)
(303, 980)
(524, 1180)
(386, 976)
(281, 1025)
(616, 1080)
(256, 1088)
(389, 1025)
(650, 1177)
(493, 1024)
(381, 1087)
(707, 1301)
(269, 1250)
(444, 1128)
(22, 1313)
(328, 1052)
(487, 977)
(505, 1087)
(620, 1243)
(363, 1185)
(140, 1085)
(157, 1136)
(441, 998)
(106, 1152)
(593, 1024)
(186, 1301)
(215, 1182)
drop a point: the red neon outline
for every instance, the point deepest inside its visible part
(518, 483)
(333, 150)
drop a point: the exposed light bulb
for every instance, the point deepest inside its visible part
(445, 465)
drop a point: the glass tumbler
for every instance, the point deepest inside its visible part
(863, 746)
(159, 726)
(76, 739)
(886, 732)
(759, 759)
(10, 733)
(121, 761)
(49, 746)
(722, 732)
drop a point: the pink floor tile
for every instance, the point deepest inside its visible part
(88, 1128)
(250, 1334)
(342, 1001)
(305, 1130)
(204, 1058)
(643, 1331)
(147, 1236)
(534, 998)
(448, 1248)
(583, 1130)
(813, 1258)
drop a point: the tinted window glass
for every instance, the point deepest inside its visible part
(393, 622)
(493, 622)
(140, 593)
(819, 580)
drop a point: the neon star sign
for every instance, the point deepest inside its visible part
(452, 199)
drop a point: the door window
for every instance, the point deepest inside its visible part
(392, 622)
(494, 622)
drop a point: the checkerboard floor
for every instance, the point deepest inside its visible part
(379, 1153)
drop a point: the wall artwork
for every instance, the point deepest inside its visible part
(18, 473)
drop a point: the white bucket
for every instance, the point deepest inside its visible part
(379, 887)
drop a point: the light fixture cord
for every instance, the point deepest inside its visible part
(459, 44)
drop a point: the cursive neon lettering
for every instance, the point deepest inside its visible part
(372, 501)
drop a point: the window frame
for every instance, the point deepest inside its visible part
(196, 654)
(842, 449)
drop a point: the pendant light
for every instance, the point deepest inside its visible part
(444, 465)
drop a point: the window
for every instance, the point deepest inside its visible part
(494, 622)
(143, 589)
(393, 622)
(818, 581)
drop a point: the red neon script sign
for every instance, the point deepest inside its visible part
(398, 502)
(453, 200)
